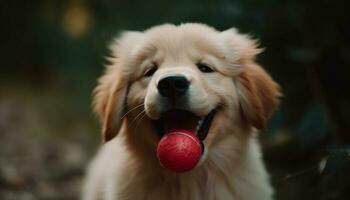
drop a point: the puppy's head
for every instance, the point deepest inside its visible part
(188, 76)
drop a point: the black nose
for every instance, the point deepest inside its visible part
(173, 86)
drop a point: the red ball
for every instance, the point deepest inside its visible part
(179, 151)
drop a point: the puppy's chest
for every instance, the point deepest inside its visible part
(185, 190)
(192, 193)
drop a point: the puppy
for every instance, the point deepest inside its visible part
(198, 72)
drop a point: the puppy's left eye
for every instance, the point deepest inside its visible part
(149, 72)
(204, 68)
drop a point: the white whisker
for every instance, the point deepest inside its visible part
(139, 121)
(131, 110)
(137, 116)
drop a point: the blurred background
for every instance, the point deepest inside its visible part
(51, 53)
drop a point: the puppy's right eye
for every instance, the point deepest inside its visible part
(149, 72)
(204, 68)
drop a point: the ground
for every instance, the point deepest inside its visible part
(44, 146)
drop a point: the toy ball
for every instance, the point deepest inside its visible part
(179, 150)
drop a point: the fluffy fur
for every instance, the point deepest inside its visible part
(126, 102)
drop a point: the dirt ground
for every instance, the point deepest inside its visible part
(44, 146)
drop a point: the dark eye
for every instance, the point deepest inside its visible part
(149, 72)
(204, 68)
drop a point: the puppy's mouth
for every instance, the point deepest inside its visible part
(185, 120)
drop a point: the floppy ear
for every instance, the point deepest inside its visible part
(258, 93)
(109, 102)
(109, 96)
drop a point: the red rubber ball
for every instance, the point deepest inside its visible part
(179, 151)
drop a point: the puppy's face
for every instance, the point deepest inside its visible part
(184, 77)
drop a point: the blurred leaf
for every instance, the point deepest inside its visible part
(335, 182)
(313, 126)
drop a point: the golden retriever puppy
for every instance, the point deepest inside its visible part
(211, 80)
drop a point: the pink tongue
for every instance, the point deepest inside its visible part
(180, 120)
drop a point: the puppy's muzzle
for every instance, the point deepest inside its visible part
(173, 86)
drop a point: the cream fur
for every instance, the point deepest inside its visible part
(244, 94)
